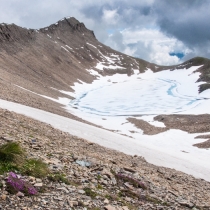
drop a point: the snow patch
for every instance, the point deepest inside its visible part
(64, 48)
(91, 45)
(101, 66)
(190, 163)
(60, 100)
(108, 102)
(68, 47)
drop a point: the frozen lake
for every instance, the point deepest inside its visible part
(140, 94)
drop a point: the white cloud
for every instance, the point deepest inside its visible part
(159, 54)
(130, 51)
(145, 35)
(110, 17)
(152, 45)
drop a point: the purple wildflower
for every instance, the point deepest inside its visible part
(16, 184)
(32, 191)
(12, 174)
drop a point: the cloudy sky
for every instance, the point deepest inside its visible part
(160, 31)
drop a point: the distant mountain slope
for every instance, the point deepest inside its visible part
(204, 70)
(54, 58)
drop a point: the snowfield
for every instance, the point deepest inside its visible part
(149, 93)
(110, 100)
(189, 164)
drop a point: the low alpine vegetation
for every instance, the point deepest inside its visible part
(35, 167)
(57, 177)
(14, 160)
(11, 157)
(10, 152)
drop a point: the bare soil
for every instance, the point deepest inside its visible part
(205, 144)
(188, 123)
(147, 128)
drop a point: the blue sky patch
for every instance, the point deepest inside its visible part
(180, 55)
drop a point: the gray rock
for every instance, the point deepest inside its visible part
(20, 194)
(81, 191)
(83, 163)
(63, 189)
(186, 203)
(38, 184)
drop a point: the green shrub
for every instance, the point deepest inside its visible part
(109, 197)
(35, 167)
(11, 155)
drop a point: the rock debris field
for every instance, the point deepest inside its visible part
(98, 178)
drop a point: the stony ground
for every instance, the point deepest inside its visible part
(99, 178)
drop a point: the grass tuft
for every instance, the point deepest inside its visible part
(89, 192)
(57, 177)
(35, 167)
(11, 156)
(10, 152)
(7, 166)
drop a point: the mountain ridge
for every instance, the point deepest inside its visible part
(12, 32)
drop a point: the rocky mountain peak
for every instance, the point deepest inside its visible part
(68, 25)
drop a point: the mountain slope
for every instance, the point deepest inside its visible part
(54, 58)
(49, 58)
